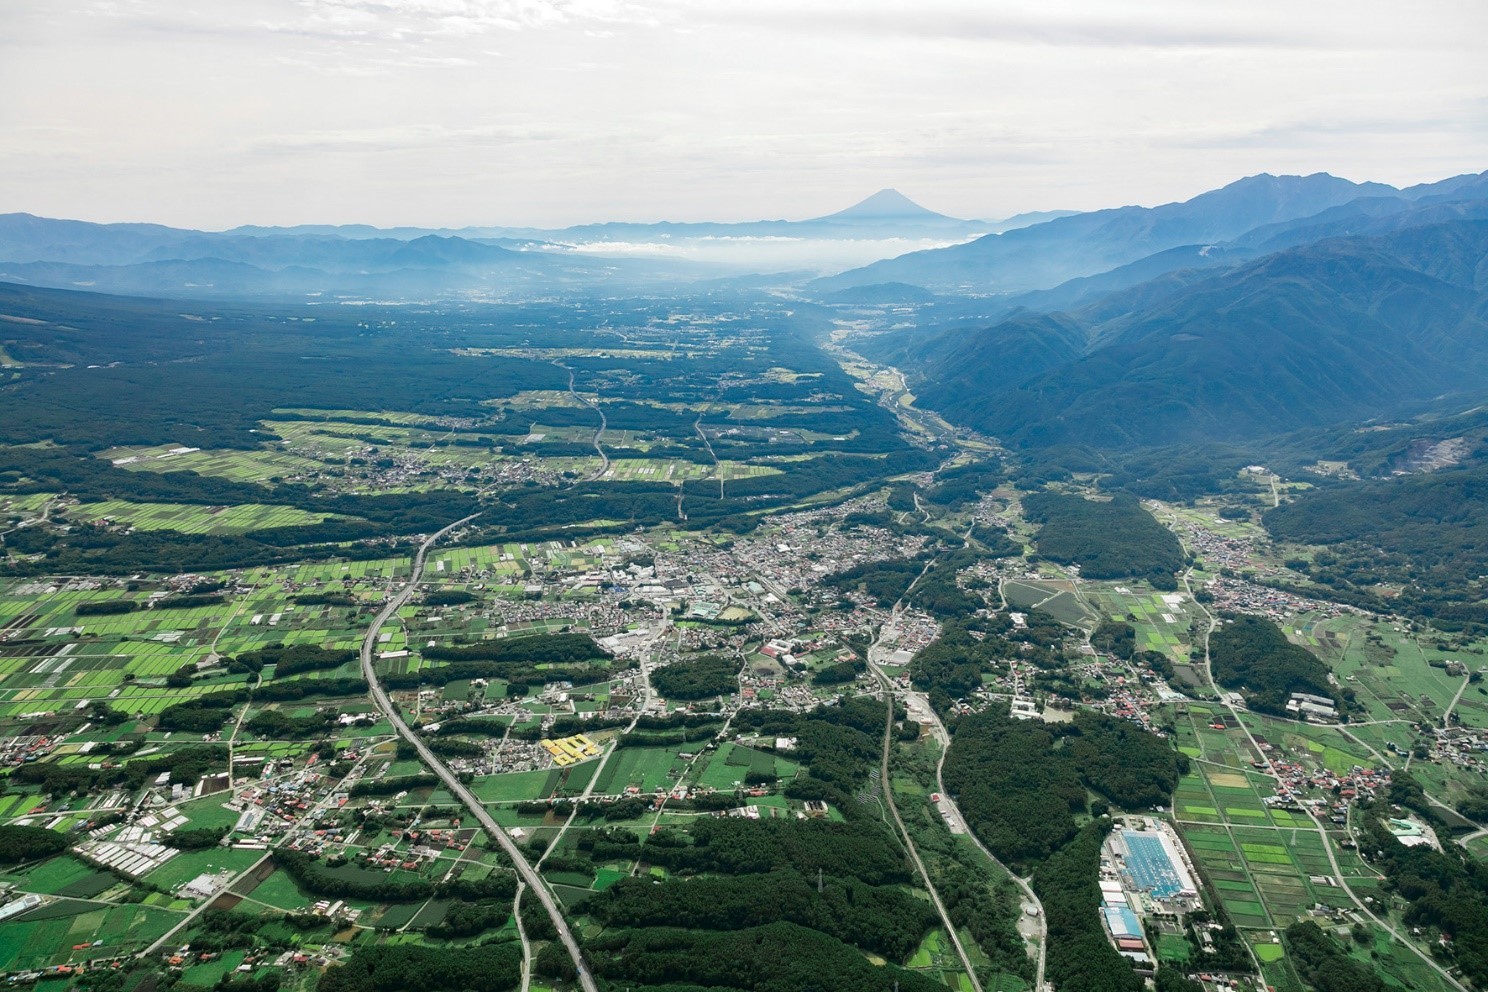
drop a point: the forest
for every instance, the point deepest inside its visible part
(1324, 964)
(697, 678)
(776, 957)
(1022, 782)
(1080, 955)
(19, 844)
(1426, 533)
(883, 919)
(1253, 655)
(1447, 890)
(1109, 539)
(399, 967)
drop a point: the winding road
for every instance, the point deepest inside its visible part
(1321, 830)
(604, 423)
(457, 788)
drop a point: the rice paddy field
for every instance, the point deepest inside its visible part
(1267, 865)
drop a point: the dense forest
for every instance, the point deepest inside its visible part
(399, 967)
(1426, 533)
(1446, 889)
(28, 843)
(1324, 964)
(1080, 955)
(1252, 654)
(883, 919)
(1021, 783)
(697, 678)
(1109, 539)
(776, 957)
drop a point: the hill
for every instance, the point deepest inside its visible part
(1347, 329)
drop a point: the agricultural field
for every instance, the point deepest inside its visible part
(1161, 619)
(187, 519)
(1268, 866)
(1059, 599)
(269, 463)
(1397, 674)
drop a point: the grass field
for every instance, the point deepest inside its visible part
(643, 768)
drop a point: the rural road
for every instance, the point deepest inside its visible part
(451, 782)
(1321, 829)
(604, 423)
(919, 706)
(888, 794)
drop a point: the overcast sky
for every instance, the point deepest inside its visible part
(211, 113)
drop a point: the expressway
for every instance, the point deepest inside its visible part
(493, 830)
(919, 708)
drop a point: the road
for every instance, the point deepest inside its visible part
(1447, 716)
(493, 829)
(888, 794)
(645, 666)
(920, 706)
(190, 917)
(604, 423)
(1322, 831)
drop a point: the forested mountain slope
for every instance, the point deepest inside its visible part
(1347, 329)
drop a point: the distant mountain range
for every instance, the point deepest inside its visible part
(418, 263)
(1253, 215)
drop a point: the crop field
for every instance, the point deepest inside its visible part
(189, 519)
(260, 465)
(189, 864)
(1391, 671)
(728, 766)
(644, 768)
(1055, 598)
(1267, 865)
(674, 470)
(1206, 515)
(517, 786)
(1161, 619)
(44, 937)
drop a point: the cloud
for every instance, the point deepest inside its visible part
(1116, 25)
(407, 20)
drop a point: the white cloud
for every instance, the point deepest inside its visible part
(414, 19)
(546, 112)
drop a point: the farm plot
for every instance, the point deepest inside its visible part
(644, 769)
(259, 465)
(188, 519)
(1161, 619)
(1394, 673)
(729, 767)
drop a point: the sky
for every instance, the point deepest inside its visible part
(554, 112)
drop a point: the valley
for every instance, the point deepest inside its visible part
(740, 638)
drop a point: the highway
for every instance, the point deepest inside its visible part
(914, 854)
(919, 707)
(493, 829)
